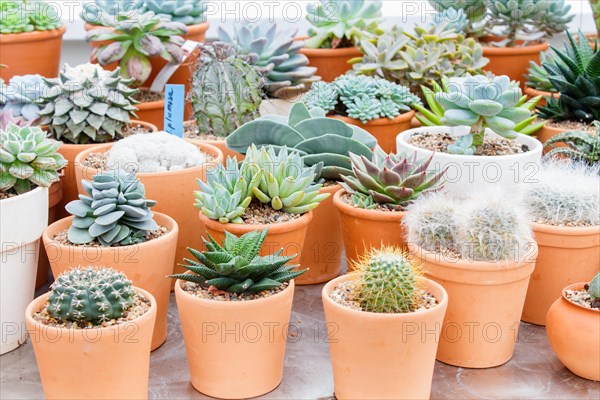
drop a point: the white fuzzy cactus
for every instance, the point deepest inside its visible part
(565, 194)
(154, 152)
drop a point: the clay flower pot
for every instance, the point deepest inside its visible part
(289, 235)
(173, 190)
(363, 230)
(383, 356)
(54, 197)
(574, 334)
(96, 363)
(484, 308)
(548, 132)
(322, 250)
(69, 181)
(220, 144)
(31, 53)
(385, 130)
(235, 349)
(146, 264)
(331, 63)
(566, 255)
(152, 112)
(531, 92)
(511, 61)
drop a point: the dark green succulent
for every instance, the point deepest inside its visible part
(580, 146)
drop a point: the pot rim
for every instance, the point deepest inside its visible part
(38, 303)
(35, 36)
(375, 215)
(511, 51)
(204, 147)
(235, 304)
(404, 117)
(329, 53)
(151, 105)
(528, 90)
(60, 225)
(274, 228)
(16, 198)
(577, 286)
(566, 230)
(328, 288)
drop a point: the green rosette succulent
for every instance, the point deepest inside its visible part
(188, 12)
(28, 158)
(235, 265)
(97, 11)
(342, 23)
(21, 96)
(22, 16)
(537, 76)
(454, 10)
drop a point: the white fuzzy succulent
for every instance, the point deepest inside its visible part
(154, 152)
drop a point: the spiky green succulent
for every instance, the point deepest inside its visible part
(27, 158)
(422, 57)
(593, 289)
(537, 77)
(288, 73)
(285, 183)
(432, 113)
(361, 97)
(20, 96)
(226, 90)
(363, 201)
(453, 10)
(87, 104)
(391, 180)
(21, 16)
(316, 138)
(342, 23)
(132, 42)
(580, 146)
(228, 191)
(481, 102)
(387, 282)
(576, 76)
(235, 265)
(188, 12)
(95, 12)
(114, 211)
(92, 295)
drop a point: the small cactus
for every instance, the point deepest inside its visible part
(388, 282)
(94, 295)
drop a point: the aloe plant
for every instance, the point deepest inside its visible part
(580, 146)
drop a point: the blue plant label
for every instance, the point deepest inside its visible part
(174, 104)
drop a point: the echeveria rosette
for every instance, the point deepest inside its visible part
(21, 16)
(20, 96)
(188, 12)
(481, 102)
(474, 10)
(134, 41)
(96, 11)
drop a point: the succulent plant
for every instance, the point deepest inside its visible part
(363, 201)
(188, 12)
(288, 71)
(228, 191)
(226, 90)
(596, 11)
(576, 76)
(454, 10)
(132, 42)
(90, 295)
(537, 77)
(421, 58)
(20, 96)
(235, 265)
(390, 179)
(285, 183)
(593, 288)
(481, 102)
(580, 146)
(387, 282)
(361, 97)
(27, 157)
(527, 20)
(87, 104)
(95, 12)
(316, 138)
(342, 23)
(21, 16)
(433, 113)
(114, 211)
(6, 119)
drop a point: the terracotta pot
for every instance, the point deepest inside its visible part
(289, 235)
(383, 356)
(146, 264)
(486, 301)
(511, 61)
(235, 349)
(546, 133)
(152, 112)
(322, 250)
(415, 123)
(531, 92)
(331, 63)
(69, 182)
(363, 230)
(98, 363)
(384, 129)
(566, 255)
(220, 144)
(31, 53)
(174, 192)
(54, 197)
(574, 334)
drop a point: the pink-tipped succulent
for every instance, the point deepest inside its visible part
(7, 118)
(133, 41)
(390, 179)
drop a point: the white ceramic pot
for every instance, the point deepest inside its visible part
(24, 218)
(276, 107)
(478, 172)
